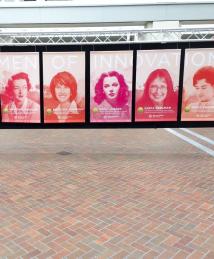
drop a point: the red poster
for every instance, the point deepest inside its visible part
(20, 87)
(64, 87)
(198, 85)
(157, 83)
(111, 86)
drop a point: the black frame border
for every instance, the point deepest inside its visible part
(110, 47)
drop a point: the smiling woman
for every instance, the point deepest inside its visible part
(203, 82)
(198, 85)
(159, 99)
(202, 106)
(63, 88)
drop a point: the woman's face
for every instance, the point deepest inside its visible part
(111, 87)
(20, 89)
(62, 92)
(158, 90)
(204, 90)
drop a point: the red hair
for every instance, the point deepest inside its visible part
(206, 73)
(67, 79)
(18, 76)
(123, 94)
(171, 97)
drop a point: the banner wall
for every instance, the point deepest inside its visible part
(133, 85)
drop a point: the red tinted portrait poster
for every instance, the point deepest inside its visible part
(20, 87)
(198, 85)
(64, 87)
(111, 86)
(157, 83)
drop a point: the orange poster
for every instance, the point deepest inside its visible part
(198, 85)
(64, 87)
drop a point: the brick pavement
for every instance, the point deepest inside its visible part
(104, 194)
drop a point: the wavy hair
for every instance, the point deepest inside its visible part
(123, 93)
(10, 82)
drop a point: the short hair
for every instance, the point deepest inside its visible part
(206, 73)
(171, 97)
(67, 79)
(123, 93)
(18, 76)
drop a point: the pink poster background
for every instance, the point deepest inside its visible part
(22, 105)
(193, 109)
(111, 67)
(68, 69)
(153, 64)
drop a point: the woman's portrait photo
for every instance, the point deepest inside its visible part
(158, 99)
(111, 100)
(20, 108)
(64, 100)
(198, 86)
(20, 98)
(67, 108)
(111, 91)
(202, 103)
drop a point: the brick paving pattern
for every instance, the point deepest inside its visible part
(104, 194)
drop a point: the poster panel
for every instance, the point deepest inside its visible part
(111, 86)
(198, 85)
(157, 83)
(64, 87)
(20, 87)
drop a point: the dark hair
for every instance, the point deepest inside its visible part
(10, 83)
(123, 94)
(171, 97)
